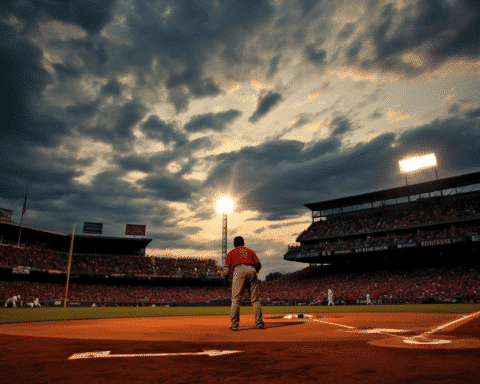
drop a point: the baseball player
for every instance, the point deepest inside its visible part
(34, 303)
(330, 297)
(12, 302)
(368, 299)
(244, 264)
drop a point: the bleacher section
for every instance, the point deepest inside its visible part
(414, 285)
(340, 234)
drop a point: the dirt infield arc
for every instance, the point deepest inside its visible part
(337, 347)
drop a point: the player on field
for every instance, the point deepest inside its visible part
(330, 297)
(12, 302)
(244, 264)
(34, 303)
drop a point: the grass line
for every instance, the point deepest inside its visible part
(19, 315)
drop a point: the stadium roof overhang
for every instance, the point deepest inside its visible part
(82, 243)
(394, 193)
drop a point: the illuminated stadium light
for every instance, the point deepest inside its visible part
(418, 162)
(224, 205)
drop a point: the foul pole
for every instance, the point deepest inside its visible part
(69, 265)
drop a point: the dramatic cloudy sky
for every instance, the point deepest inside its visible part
(146, 112)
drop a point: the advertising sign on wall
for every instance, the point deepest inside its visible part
(93, 228)
(135, 229)
(5, 215)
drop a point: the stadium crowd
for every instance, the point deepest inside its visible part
(438, 283)
(38, 258)
(309, 285)
(390, 239)
(389, 220)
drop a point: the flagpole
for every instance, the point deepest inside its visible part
(21, 220)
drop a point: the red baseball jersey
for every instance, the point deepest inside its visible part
(241, 255)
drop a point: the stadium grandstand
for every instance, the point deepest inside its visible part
(104, 271)
(391, 243)
(413, 244)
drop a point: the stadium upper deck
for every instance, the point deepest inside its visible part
(443, 212)
(82, 243)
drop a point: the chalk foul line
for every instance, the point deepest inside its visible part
(106, 354)
(419, 339)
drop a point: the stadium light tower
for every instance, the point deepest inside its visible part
(224, 207)
(415, 163)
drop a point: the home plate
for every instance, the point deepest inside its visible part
(298, 316)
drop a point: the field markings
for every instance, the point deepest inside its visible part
(419, 339)
(106, 354)
(412, 340)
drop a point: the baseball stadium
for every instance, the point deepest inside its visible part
(401, 265)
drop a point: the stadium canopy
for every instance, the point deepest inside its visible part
(82, 243)
(397, 193)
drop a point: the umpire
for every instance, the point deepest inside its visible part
(245, 264)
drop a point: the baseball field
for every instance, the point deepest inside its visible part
(344, 344)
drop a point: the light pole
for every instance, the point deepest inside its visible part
(224, 207)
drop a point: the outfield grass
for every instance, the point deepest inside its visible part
(18, 315)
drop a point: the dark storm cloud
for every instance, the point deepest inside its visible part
(213, 121)
(129, 115)
(113, 87)
(156, 128)
(340, 125)
(266, 102)
(157, 163)
(182, 33)
(301, 120)
(23, 127)
(273, 66)
(22, 79)
(439, 29)
(91, 15)
(116, 122)
(81, 111)
(65, 72)
(314, 55)
(168, 188)
(135, 163)
(466, 41)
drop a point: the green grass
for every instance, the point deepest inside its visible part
(18, 315)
